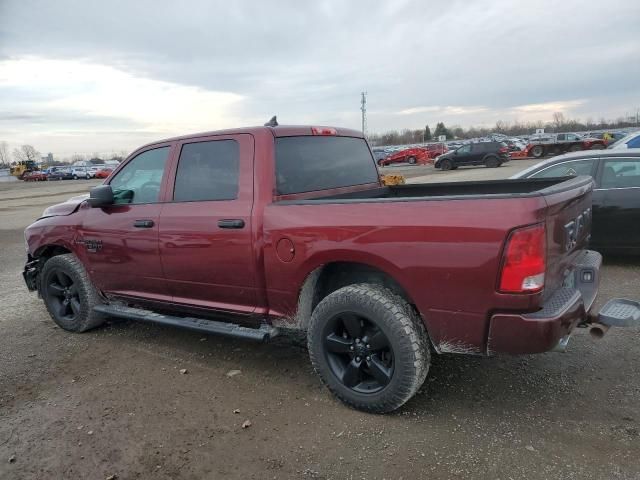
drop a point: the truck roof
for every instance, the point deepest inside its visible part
(279, 131)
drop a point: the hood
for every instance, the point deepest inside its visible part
(447, 154)
(65, 208)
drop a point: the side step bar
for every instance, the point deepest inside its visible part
(262, 334)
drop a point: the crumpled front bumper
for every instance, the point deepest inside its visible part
(30, 274)
(545, 329)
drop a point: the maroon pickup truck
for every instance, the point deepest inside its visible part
(252, 231)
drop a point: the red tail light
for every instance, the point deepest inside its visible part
(323, 131)
(524, 260)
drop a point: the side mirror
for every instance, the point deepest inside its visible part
(101, 196)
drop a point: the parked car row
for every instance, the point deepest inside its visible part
(67, 173)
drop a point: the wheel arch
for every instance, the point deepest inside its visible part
(327, 278)
(50, 250)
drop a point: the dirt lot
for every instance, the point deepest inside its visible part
(113, 401)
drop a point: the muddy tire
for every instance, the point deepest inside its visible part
(492, 162)
(537, 151)
(69, 295)
(446, 164)
(369, 347)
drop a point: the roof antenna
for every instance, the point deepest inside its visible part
(272, 123)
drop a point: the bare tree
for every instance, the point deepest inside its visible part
(4, 153)
(26, 153)
(558, 120)
(76, 157)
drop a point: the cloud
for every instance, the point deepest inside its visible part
(549, 107)
(450, 110)
(149, 66)
(94, 90)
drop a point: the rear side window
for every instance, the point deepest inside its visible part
(577, 167)
(621, 173)
(310, 163)
(207, 171)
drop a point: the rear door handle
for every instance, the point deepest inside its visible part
(143, 223)
(231, 223)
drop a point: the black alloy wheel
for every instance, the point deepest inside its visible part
(62, 296)
(68, 294)
(358, 353)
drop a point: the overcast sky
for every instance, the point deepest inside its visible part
(99, 76)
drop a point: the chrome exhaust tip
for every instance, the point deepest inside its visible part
(598, 330)
(561, 345)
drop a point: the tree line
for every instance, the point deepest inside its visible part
(558, 124)
(26, 153)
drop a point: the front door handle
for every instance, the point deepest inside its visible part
(231, 223)
(143, 223)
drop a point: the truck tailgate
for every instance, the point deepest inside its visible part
(568, 223)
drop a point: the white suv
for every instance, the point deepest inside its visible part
(81, 172)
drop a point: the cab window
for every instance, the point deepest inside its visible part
(574, 168)
(139, 180)
(208, 171)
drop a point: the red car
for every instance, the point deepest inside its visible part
(103, 172)
(34, 177)
(290, 227)
(415, 155)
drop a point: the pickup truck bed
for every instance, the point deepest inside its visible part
(447, 191)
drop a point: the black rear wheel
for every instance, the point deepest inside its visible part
(358, 352)
(369, 347)
(492, 162)
(411, 160)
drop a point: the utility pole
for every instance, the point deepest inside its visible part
(363, 108)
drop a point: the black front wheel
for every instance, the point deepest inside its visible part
(68, 294)
(411, 160)
(369, 347)
(446, 164)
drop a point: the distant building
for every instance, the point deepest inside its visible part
(48, 158)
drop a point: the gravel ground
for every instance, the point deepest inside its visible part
(113, 401)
